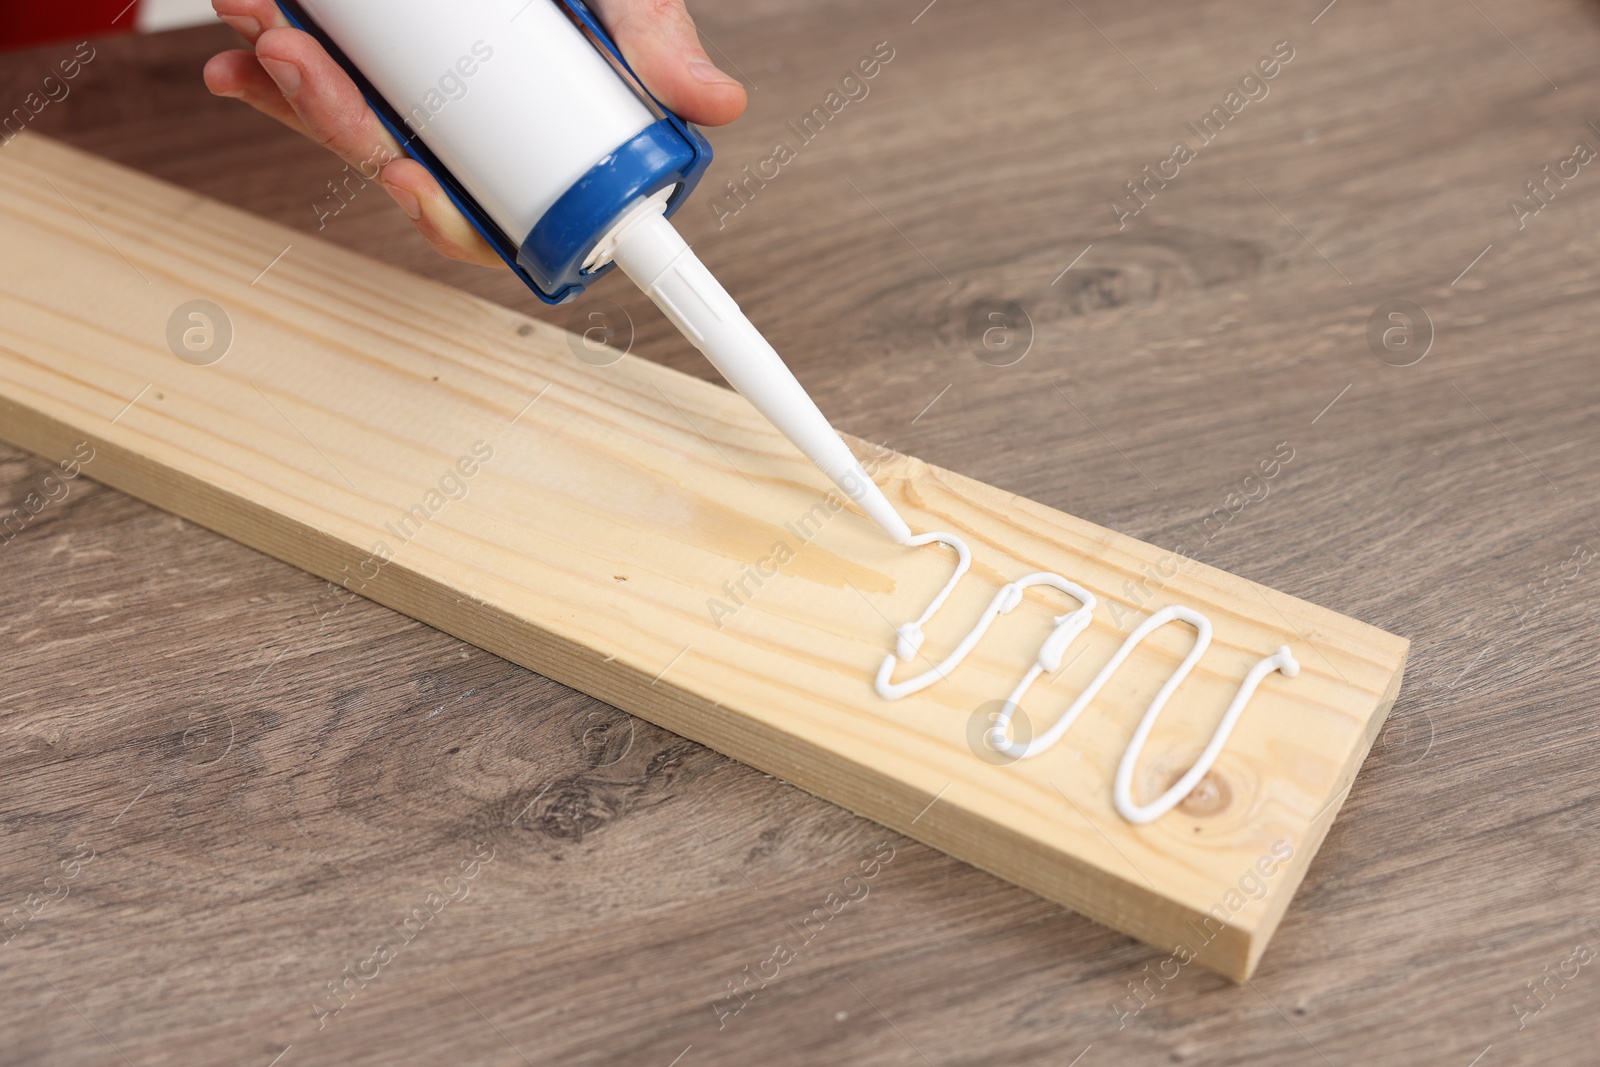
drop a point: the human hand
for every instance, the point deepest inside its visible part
(290, 77)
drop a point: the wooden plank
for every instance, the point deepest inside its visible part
(454, 460)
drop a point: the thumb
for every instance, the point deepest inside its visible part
(660, 43)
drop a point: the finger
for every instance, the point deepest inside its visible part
(327, 102)
(249, 17)
(434, 215)
(660, 43)
(236, 74)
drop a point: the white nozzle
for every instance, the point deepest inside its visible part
(660, 262)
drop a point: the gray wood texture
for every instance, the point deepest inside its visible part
(270, 778)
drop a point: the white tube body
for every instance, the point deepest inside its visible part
(509, 94)
(660, 262)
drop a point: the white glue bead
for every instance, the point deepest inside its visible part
(910, 641)
(1008, 597)
(1068, 627)
(1287, 663)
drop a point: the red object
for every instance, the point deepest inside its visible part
(24, 23)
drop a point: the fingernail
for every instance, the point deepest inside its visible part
(244, 24)
(407, 201)
(287, 75)
(706, 74)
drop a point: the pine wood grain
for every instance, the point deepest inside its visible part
(382, 432)
(1460, 867)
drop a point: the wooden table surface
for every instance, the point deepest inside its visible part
(224, 785)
